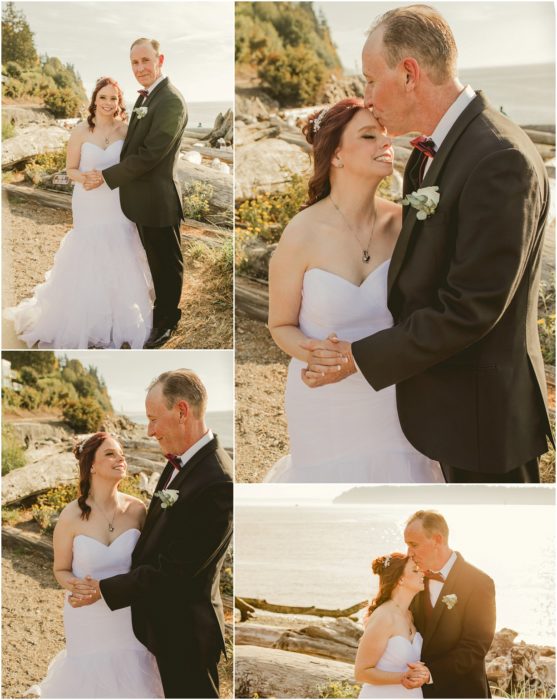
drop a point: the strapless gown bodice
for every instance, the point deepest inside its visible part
(102, 658)
(99, 291)
(398, 653)
(346, 432)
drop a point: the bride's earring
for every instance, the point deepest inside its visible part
(340, 163)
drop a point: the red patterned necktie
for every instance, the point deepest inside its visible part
(175, 461)
(430, 576)
(144, 93)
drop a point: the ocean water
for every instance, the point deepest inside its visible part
(321, 555)
(220, 422)
(526, 93)
(203, 113)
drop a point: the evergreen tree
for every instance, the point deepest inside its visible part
(17, 38)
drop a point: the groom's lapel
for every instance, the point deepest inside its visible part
(440, 608)
(471, 112)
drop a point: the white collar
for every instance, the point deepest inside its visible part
(445, 570)
(448, 120)
(189, 453)
(154, 85)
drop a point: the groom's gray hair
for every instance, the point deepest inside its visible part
(421, 32)
(182, 385)
(143, 40)
(432, 522)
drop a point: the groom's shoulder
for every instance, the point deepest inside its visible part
(171, 92)
(217, 465)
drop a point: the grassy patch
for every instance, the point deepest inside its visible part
(546, 321)
(13, 453)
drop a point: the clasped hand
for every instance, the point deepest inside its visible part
(416, 675)
(84, 591)
(93, 179)
(329, 361)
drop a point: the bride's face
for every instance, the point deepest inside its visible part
(365, 149)
(109, 462)
(413, 578)
(106, 102)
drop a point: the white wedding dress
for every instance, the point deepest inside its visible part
(103, 658)
(99, 291)
(399, 652)
(346, 432)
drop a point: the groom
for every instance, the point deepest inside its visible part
(173, 584)
(455, 613)
(463, 283)
(147, 178)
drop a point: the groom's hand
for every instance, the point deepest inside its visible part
(329, 361)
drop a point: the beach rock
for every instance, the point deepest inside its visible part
(273, 673)
(192, 157)
(219, 166)
(36, 433)
(222, 183)
(266, 166)
(340, 88)
(257, 256)
(32, 141)
(20, 116)
(253, 107)
(52, 466)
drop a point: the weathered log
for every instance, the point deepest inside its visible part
(32, 141)
(224, 154)
(262, 604)
(258, 635)
(315, 646)
(221, 198)
(273, 673)
(246, 611)
(252, 297)
(57, 467)
(48, 198)
(331, 634)
(15, 536)
(541, 136)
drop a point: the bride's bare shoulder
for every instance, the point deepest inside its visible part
(383, 615)
(390, 216)
(304, 227)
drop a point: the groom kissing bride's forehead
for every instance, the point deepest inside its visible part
(463, 351)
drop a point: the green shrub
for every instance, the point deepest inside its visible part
(13, 88)
(196, 200)
(29, 377)
(29, 398)
(13, 70)
(339, 689)
(63, 103)
(8, 129)
(546, 322)
(294, 77)
(55, 392)
(13, 453)
(11, 397)
(83, 415)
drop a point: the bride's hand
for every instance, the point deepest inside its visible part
(416, 675)
(329, 361)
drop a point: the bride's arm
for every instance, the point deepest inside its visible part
(370, 650)
(73, 155)
(62, 541)
(287, 267)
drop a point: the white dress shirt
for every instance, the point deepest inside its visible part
(188, 454)
(152, 87)
(436, 586)
(448, 120)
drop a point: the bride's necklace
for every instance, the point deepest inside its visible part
(107, 137)
(410, 626)
(111, 521)
(366, 257)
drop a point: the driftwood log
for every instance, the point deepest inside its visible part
(273, 673)
(246, 611)
(262, 604)
(252, 297)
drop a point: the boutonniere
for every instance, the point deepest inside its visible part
(141, 112)
(450, 600)
(425, 200)
(168, 497)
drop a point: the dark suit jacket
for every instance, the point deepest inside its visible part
(456, 641)
(150, 192)
(173, 585)
(464, 352)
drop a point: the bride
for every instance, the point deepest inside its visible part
(99, 290)
(390, 641)
(328, 275)
(95, 536)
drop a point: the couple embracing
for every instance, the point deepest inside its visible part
(432, 622)
(143, 615)
(413, 328)
(117, 276)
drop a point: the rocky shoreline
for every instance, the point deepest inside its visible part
(288, 655)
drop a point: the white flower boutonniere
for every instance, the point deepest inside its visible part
(168, 497)
(141, 112)
(450, 600)
(425, 200)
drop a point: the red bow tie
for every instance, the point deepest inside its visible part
(143, 93)
(434, 576)
(174, 460)
(425, 145)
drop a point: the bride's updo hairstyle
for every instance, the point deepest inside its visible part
(121, 111)
(323, 131)
(389, 569)
(85, 452)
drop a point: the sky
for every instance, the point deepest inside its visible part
(197, 39)
(128, 373)
(487, 33)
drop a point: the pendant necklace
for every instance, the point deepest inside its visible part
(111, 521)
(366, 257)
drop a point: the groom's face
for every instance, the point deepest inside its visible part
(146, 64)
(422, 548)
(166, 424)
(385, 91)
